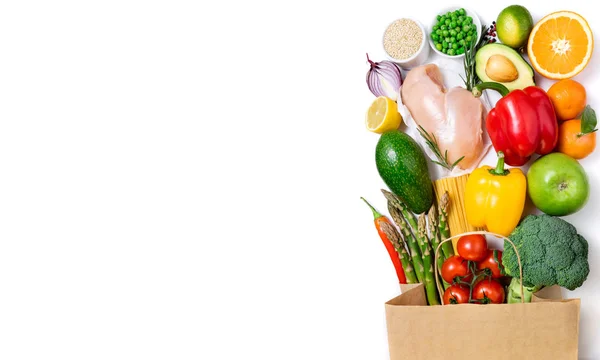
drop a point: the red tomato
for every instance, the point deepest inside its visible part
(455, 266)
(490, 291)
(489, 262)
(472, 247)
(456, 294)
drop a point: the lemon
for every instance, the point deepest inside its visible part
(383, 115)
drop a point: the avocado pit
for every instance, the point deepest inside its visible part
(500, 69)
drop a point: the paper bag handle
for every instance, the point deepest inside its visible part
(437, 249)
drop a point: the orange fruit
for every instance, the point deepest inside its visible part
(560, 45)
(568, 97)
(570, 143)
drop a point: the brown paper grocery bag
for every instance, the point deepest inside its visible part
(547, 328)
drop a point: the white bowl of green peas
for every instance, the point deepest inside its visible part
(452, 30)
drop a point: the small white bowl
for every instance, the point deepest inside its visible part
(417, 58)
(469, 12)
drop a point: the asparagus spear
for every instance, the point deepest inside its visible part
(434, 233)
(395, 200)
(447, 248)
(415, 251)
(430, 288)
(394, 236)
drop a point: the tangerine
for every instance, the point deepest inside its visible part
(572, 142)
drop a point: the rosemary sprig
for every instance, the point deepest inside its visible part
(432, 143)
(471, 79)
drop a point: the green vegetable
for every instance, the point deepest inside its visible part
(450, 29)
(403, 167)
(434, 236)
(447, 249)
(514, 292)
(411, 241)
(552, 253)
(430, 288)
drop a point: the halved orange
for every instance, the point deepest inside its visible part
(560, 45)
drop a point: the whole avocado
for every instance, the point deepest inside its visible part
(402, 165)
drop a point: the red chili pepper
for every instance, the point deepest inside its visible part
(388, 244)
(522, 123)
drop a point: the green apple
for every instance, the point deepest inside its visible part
(558, 185)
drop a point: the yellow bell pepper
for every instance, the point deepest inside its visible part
(495, 198)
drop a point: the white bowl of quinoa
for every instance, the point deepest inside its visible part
(405, 42)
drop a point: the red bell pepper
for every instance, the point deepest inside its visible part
(522, 123)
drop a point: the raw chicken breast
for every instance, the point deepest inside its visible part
(454, 116)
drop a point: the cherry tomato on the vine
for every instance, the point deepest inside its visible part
(456, 294)
(489, 291)
(489, 262)
(472, 247)
(456, 266)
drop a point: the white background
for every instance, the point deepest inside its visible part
(181, 180)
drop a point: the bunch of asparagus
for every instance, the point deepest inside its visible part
(416, 242)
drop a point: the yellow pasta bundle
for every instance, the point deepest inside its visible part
(457, 216)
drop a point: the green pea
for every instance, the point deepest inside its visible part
(444, 44)
(453, 24)
(450, 51)
(434, 36)
(452, 39)
(468, 39)
(445, 32)
(466, 28)
(447, 22)
(458, 29)
(438, 32)
(474, 27)
(455, 46)
(435, 27)
(462, 11)
(444, 27)
(460, 51)
(452, 32)
(469, 19)
(461, 42)
(459, 36)
(438, 46)
(459, 22)
(439, 17)
(461, 18)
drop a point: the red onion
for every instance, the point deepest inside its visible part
(384, 78)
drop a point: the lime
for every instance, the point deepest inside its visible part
(513, 26)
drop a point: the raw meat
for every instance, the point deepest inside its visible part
(454, 116)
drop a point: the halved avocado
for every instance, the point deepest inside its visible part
(502, 64)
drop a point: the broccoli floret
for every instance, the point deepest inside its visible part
(552, 253)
